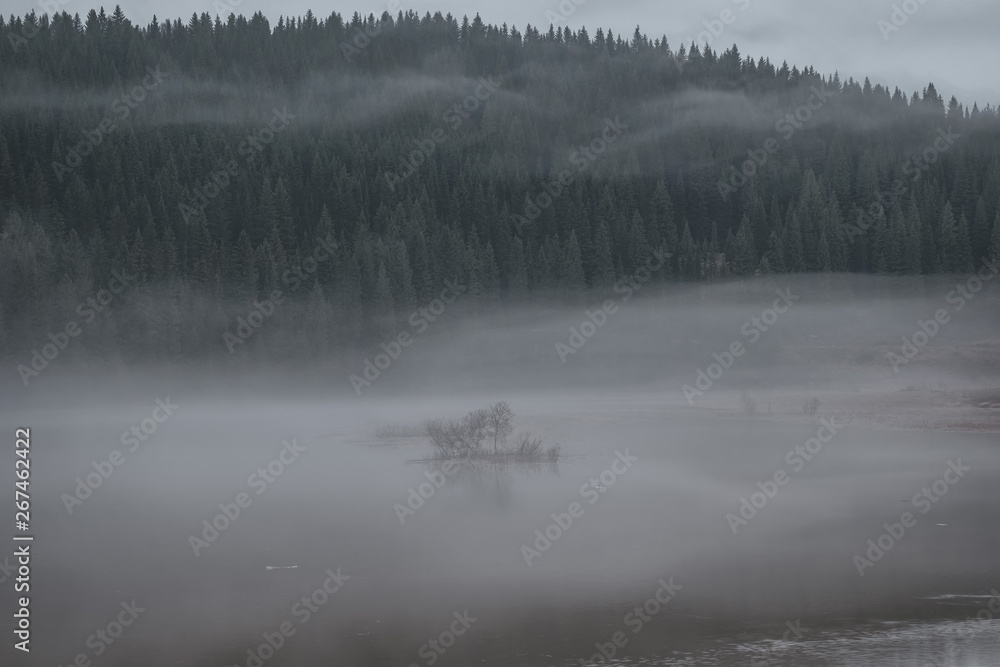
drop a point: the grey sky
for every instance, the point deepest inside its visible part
(954, 43)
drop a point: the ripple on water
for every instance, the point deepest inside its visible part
(972, 643)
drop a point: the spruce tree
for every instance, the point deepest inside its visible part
(994, 251)
(949, 253)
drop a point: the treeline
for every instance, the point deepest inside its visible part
(355, 166)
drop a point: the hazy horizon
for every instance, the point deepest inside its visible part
(844, 37)
(448, 345)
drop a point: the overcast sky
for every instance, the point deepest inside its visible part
(954, 43)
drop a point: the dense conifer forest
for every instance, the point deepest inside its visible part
(159, 182)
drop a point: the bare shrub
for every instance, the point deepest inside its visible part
(447, 437)
(485, 434)
(475, 427)
(499, 424)
(456, 438)
(749, 404)
(527, 446)
(810, 406)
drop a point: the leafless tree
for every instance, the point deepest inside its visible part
(749, 404)
(459, 437)
(448, 437)
(528, 446)
(475, 426)
(471, 436)
(499, 424)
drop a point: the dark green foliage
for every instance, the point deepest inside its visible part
(267, 143)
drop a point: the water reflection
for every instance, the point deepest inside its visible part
(489, 482)
(664, 519)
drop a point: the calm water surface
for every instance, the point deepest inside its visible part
(783, 590)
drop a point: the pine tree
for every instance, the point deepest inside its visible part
(384, 319)
(740, 251)
(517, 281)
(244, 267)
(776, 252)
(823, 260)
(912, 239)
(489, 273)
(320, 320)
(403, 276)
(880, 244)
(208, 212)
(688, 262)
(637, 248)
(949, 254)
(572, 268)
(896, 243)
(994, 252)
(605, 273)
(963, 247)
(980, 233)
(663, 219)
(792, 240)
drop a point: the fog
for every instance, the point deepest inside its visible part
(348, 102)
(778, 585)
(843, 36)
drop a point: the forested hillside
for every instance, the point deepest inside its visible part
(355, 166)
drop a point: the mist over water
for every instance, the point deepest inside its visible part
(655, 477)
(403, 339)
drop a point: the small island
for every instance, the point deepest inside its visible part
(487, 435)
